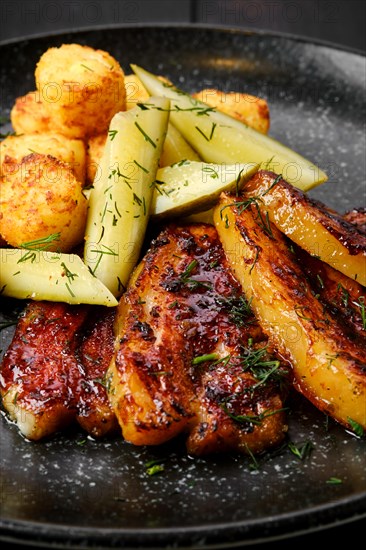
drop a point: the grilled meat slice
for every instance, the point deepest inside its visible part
(309, 223)
(342, 296)
(94, 353)
(39, 371)
(329, 367)
(190, 356)
(51, 371)
(357, 216)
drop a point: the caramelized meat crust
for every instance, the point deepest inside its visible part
(94, 353)
(309, 223)
(50, 374)
(190, 356)
(328, 365)
(357, 216)
(343, 297)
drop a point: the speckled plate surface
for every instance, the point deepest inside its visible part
(72, 491)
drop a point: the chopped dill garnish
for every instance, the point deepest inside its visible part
(186, 278)
(112, 134)
(361, 305)
(211, 171)
(210, 136)
(302, 450)
(71, 276)
(146, 136)
(239, 308)
(42, 243)
(262, 366)
(87, 68)
(106, 250)
(141, 167)
(356, 427)
(251, 419)
(299, 310)
(203, 358)
(154, 467)
(334, 481)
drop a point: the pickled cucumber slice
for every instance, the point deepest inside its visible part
(217, 137)
(120, 200)
(176, 148)
(190, 186)
(43, 275)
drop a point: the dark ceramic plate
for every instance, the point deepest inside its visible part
(76, 492)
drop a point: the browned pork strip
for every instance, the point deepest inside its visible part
(357, 216)
(52, 372)
(190, 355)
(328, 365)
(95, 352)
(344, 297)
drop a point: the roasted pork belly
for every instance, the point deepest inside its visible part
(357, 216)
(53, 370)
(328, 363)
(94, 353)
(190, 356)
(342, 296)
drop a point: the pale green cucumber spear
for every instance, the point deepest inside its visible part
(120, 201)
(188, 186)
(42, 275)
(219, 138)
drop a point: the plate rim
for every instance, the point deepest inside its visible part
(63, 534)
(188, 26)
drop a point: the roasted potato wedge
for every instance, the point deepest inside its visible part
(310, 224)
(246, 108)
(40, 199)
(328, 366)
(81, 89)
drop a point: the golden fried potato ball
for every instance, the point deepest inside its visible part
(135, 91)
(94, 152)
(81, 89)
(251, 110)
(40, 199)
(29, 115)
(71, 151)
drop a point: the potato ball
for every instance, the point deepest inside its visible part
(40, 199)
(29, 115)
(94, 152)
(71, 151)
(135, 91)
(81, 89)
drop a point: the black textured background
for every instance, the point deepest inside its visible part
(338, 21)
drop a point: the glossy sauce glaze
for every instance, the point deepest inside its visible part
(184, 361)
(52, 366)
